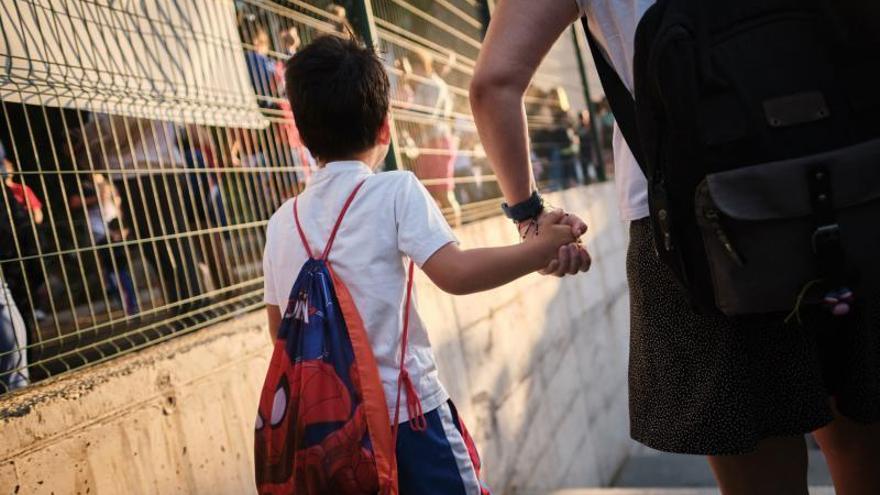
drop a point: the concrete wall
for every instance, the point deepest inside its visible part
(538, 370)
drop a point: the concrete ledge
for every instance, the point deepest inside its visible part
(157, 421)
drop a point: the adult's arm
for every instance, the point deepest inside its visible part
(520, 34)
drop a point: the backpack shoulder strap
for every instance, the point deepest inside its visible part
(417, 419)
(302, 234)
(620, 99)
(342, 213)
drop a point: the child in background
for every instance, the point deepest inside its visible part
(339, 93)
(102, 203)
(29, 287)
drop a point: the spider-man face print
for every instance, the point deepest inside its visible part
(311, 434)
(307, 394)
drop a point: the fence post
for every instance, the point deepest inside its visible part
(486, 9)
(364, 23)
(591, 106)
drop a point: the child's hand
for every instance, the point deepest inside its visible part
(549, 233)
(552, 237)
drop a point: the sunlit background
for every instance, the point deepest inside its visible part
(148, 143)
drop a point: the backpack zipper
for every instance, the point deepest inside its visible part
(714, 218)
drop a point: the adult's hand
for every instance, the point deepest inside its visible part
(572, 258)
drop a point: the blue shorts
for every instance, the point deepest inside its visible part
(441, 460)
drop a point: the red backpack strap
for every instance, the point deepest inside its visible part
(302, 234)
(339, 220)
(417, 419)
(372, 391)
(404, 382)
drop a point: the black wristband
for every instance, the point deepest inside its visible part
(526, 210)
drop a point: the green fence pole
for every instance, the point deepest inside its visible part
(362, 19)
(486, 8)
(591, 106)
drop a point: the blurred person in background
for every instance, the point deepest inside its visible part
(25, 280)
(341, 24)
(558, 145)
(438, 145)
(586, 151)
(256, 197)
(261, 68)
(13, 332)
(565, 138)
(152, 205)
(605, 122)
(22, 192)
(206, 204)
(301, 158)
(102, 204)
(204, 198)
(402, 86)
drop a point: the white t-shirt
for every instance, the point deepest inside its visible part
(392, 217)
(614, 24)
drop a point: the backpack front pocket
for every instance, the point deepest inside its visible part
(769, 240)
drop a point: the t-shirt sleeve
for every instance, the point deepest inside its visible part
(269, 295)
(421, 227)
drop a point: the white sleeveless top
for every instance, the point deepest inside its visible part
(614, 23)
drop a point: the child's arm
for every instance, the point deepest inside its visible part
(274, 314)
(467, 271)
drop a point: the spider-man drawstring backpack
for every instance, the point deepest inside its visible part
(322, 425)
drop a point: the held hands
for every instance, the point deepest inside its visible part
(559, 233)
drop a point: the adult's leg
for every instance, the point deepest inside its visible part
(777, 467)
(852, 451)
(703, 383)
(13, 343)
(126, 283)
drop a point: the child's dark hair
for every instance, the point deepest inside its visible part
(338, 89)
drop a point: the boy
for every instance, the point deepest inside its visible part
(339, 93)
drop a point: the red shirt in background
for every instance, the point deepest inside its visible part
(25, 195)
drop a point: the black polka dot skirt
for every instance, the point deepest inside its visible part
(711, 385)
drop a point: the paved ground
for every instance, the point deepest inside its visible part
(661, 470)
(665, 491)
(649, 472)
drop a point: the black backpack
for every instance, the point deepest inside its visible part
(757, 124)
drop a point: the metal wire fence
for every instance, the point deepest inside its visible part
(146, 144)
